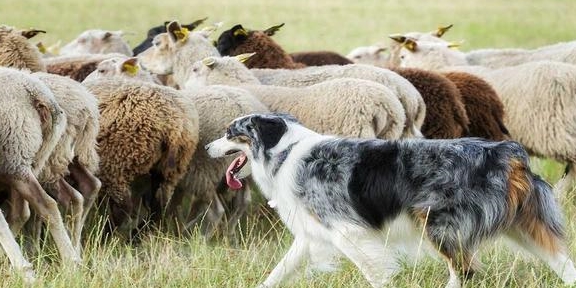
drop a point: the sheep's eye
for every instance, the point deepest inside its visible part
(82, 40)
(402, 57)
(195, 69)
(101, 71)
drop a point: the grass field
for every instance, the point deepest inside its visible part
(339, 25)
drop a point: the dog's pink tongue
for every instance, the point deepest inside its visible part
(232, 182)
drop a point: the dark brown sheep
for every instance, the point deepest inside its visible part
(483, 106)
(320, 58)
(269, 54)
(445, 113)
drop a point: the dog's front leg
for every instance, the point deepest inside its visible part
(289, 263)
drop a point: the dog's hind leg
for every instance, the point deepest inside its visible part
(367, 250)
(556, 259)
(295, 256)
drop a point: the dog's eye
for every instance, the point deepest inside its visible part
(250, 127)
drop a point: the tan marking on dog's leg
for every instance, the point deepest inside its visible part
(47, 208)
(13, 251)
(19, 212)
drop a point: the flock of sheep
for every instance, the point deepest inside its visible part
(92, 122)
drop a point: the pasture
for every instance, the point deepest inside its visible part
(167, 261)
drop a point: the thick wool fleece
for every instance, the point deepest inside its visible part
(410, 98)
(483, 106)
(268, 53)
(32, 123)
(320, 58)
(142, 127)
(445, 113)
(17, 52)
(81, 110)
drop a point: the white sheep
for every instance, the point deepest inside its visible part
(370, 55)
(122, 66)
(97, 41)
(539, 100)
(32, 124)
(350, 107)
(405, 92)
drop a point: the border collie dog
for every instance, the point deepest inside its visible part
(360, 197)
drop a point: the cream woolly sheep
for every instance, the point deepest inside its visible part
(350, 107)
(97, 41)
(410, 98)
(152, 32)
(121, 66)
(17, 51)
(75, 155)
(32, 124)
(371, 55)
(539, 100)
(175, 51)
(144, 129)
(77, 67)
(217, 106)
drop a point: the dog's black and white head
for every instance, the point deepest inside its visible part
(254, 137)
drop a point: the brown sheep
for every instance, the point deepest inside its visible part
(445, 113)
(77, 67)
(320, 58)
(269, 54)
(483, 106)
(145, 129)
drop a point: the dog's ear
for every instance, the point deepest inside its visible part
(270, 129)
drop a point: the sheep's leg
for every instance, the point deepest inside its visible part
(77, 207)
(88, 185)
(207, 214)
(47, 208)
(568, 181)
(13, 251)
(19, 212)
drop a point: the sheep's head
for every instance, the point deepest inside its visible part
(218, 70)
(98, 42)
(231, 39)
(399, 39)
(152, 32)
(17, 52)
(126, 67)
(429, 55)
(368, 55)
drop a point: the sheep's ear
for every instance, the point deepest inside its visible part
(130, 66)
(195, 24)
(107, 35)
(454, 45)
(243, 57)
(176, 32)
(272, 30)
(380, 50)
(441, 30)
(398, 38)
(209, 61)
(206, 31)
(239, 31)
(41, 47)
(31, 33)
(410, 44)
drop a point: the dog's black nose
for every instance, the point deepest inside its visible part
(207, 146)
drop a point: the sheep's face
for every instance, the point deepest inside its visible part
(98, 41)
(429, 55)
(368, 55)
(218, 70)
(230, 39)
(127, 67)
(159, 59)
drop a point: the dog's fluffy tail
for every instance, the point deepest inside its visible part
(538, 214)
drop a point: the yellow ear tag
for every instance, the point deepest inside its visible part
(182, 34)
(130, 69)
(209, 61)
(454, 46)
(41, 47)
(240, 32)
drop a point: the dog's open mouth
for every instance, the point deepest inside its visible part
(233, 171)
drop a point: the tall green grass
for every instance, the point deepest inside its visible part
(165, 260)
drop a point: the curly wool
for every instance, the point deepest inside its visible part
(16, 51)
(445, 113)
(142, 126)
